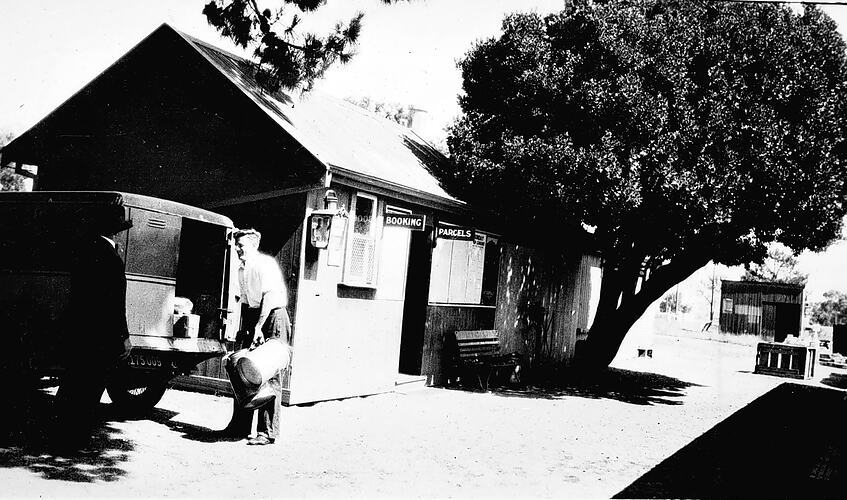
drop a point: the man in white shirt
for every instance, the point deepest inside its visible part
(263, 299)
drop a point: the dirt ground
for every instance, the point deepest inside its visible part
(570, 441)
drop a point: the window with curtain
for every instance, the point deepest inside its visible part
(360, 268)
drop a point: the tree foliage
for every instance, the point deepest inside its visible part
(398, 113)
(406, 115)
(9, 180)
(285, 57)
(683, 131)
(832, 310)
(780, 266)
(671, 304)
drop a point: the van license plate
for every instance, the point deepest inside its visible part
(144, 360)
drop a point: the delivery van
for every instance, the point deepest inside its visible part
(177, 265)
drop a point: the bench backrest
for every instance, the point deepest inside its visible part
(477, 344)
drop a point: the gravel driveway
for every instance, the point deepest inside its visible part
(572, 441)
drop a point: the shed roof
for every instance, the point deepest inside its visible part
(765, 287)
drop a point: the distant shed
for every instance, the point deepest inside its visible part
(771, 311)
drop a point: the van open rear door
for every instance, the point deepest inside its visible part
(176, 259)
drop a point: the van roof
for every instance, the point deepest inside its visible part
(115, 198)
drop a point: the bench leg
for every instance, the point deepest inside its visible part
(488, 376)
(479, 379)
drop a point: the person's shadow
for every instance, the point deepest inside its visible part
(33, 439)
(190, 432)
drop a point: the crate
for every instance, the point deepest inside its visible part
(785, 360)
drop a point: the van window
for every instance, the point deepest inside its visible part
(153, 244)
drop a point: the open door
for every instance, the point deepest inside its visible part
(788, 319)
(414, 310)
(779, 320)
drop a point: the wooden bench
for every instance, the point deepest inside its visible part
(477, 352)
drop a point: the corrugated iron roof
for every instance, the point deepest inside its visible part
(345, 137)
(730, 286)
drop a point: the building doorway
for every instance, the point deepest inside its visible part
(416, 299)
(779, 320)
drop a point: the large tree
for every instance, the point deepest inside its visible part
(285, 56)
(679, 131)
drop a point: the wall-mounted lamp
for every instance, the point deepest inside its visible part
(320, 222)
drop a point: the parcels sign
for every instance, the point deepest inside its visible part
(410, 221)
(455, 233)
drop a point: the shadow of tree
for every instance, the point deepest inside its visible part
(431, 159)
(29, 442)
(627, 386)
(771, 448)
(837, 380)
(243, 73)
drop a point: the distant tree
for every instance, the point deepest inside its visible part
(780, 266)
(681, 131)
(9, 180)
(709, 290)
(284, 56)
(831, 310)
(671, 304)
(402, 114)
(398, 113)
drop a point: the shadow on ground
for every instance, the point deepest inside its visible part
(28, 441)
(627, 386)
(189, 431)
(834, 379)
(772, 448)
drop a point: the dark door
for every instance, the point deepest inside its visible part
(414, 309)
(787, 321)
(769, 322)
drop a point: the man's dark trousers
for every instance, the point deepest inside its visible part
(277, 326)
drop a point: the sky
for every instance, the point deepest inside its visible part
(407, 55)
(407, 52)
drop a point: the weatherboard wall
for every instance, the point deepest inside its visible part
(347, 336)
(545, 303)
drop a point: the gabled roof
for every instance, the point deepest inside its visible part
(346, 138)
(349, 142)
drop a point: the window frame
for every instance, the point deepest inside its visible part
(347, 279)
(489, 236)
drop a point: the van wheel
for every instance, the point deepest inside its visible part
(135, 399)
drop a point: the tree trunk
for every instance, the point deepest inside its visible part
(617, 311)
(603, 341)
(712, 298)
